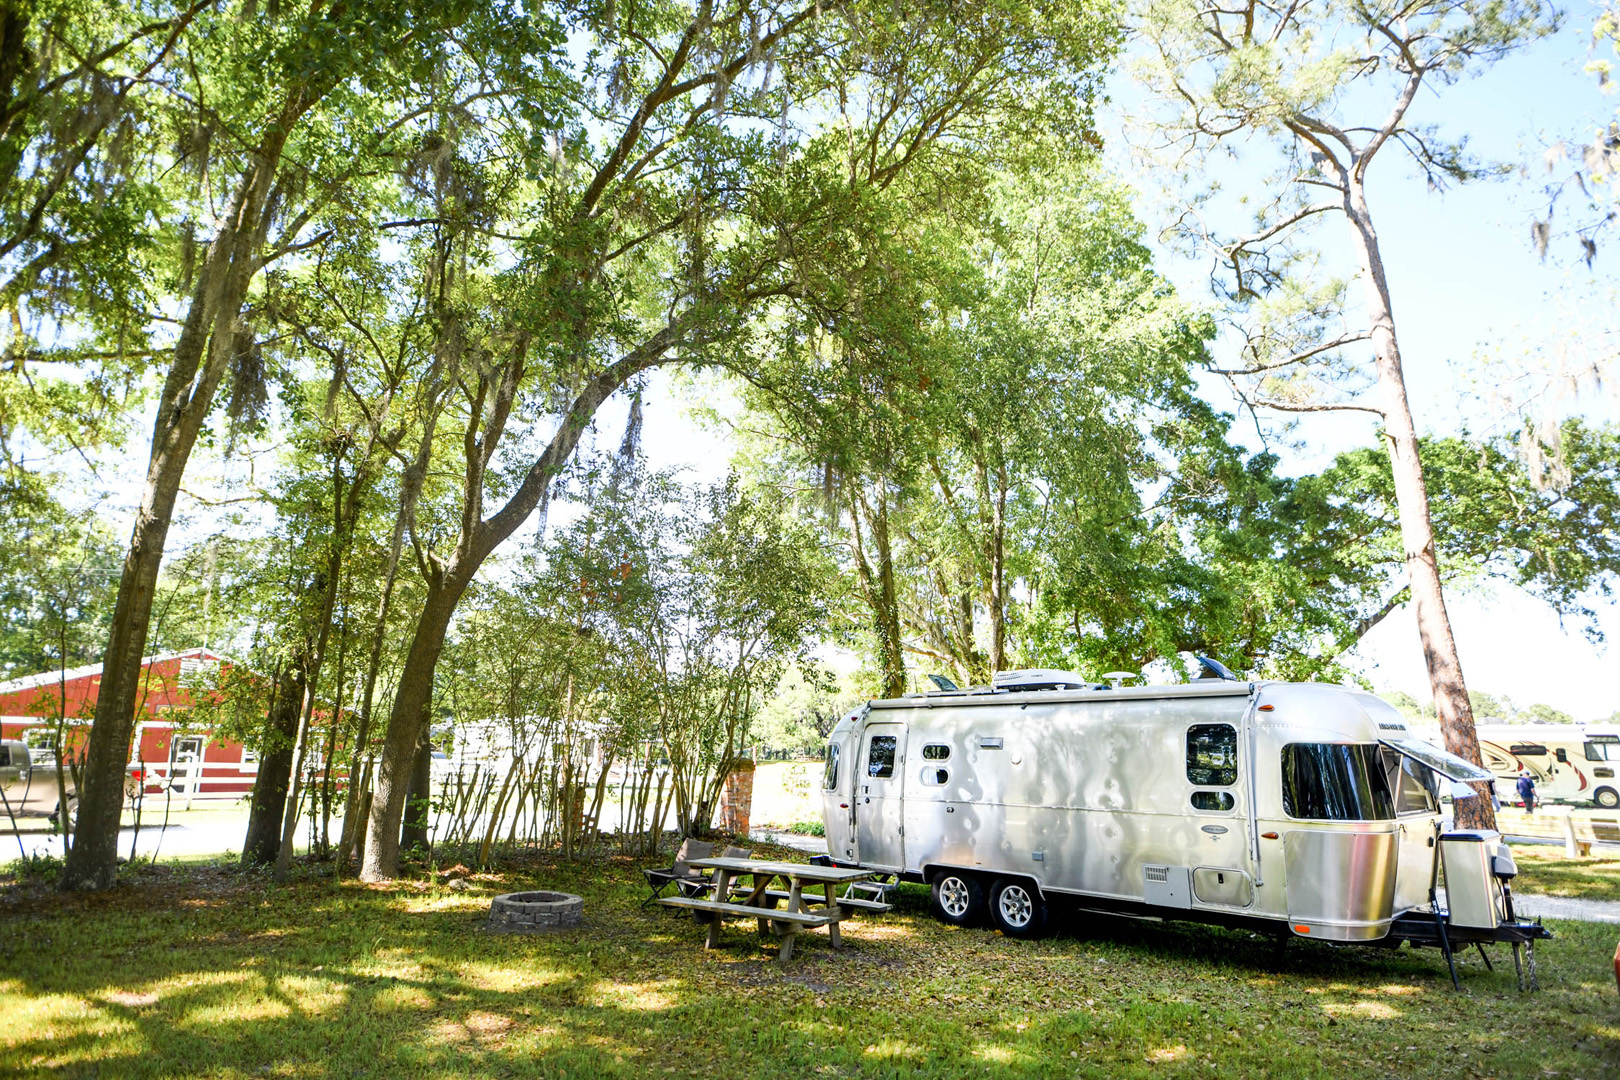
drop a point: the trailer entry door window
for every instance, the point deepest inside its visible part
(829, 776)
(1212, 755)
(880, 758)
(1335, 782)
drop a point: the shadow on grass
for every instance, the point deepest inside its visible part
(227, 977)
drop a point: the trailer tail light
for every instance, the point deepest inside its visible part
(1301, 928)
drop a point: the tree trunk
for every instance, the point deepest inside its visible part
(201, 356)
(1417, 530)
(263, 840)
(405, 723)
(419, 799)
(352, 823)
(446, 585)
(289, 819)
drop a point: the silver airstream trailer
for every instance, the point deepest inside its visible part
(1296, 808)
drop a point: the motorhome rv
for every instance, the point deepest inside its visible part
(1304, 809)
(1569, 763)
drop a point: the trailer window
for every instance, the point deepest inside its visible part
(1213, 800)
(1415, 786)
(1335, 782)
(934, 776)
(880, 756)
(1212, 755)
(936, 752)
(1528, 750)
(1603, 748)
(829, 775)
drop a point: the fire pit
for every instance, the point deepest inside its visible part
(527, 912)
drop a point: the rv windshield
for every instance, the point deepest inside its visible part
(1335, 782)
(1446, 764)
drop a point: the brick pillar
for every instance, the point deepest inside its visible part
(737, 799)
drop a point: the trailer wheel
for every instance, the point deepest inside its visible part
(958, 898)
(1017, 909)
(1606, 797)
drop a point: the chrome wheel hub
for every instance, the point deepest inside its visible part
(1016, 906)
(953, 897)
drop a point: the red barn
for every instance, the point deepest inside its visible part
(165, 746)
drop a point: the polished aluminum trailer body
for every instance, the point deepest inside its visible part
(1217, 800)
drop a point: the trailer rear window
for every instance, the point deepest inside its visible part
(1212, 755)
(829, 776)
(880, 756)
(1335, 782)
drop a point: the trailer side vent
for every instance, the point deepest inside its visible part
(1167, 886)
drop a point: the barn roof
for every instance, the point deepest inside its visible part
(47, 678)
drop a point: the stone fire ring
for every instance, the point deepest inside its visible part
(528, 912)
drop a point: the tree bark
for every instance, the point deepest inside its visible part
(419, 799)
(263, 840)
(200, 359)
(1417, 529)
(351, 822)
(447, 581)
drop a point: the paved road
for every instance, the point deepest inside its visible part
(200, 832)
(1531, 906)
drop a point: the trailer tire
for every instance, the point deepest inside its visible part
(958, 898)
(1606, 797)
(1017, 909)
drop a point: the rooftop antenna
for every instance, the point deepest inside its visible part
(1117, 678)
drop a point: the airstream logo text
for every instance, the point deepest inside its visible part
(1214, 830)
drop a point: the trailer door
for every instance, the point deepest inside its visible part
(879, 810)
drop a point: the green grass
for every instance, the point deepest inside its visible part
(203, 972)
(1547, 870)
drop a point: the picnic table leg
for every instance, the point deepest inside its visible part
(722, 879)
(762, 882)
(786, 931)
(837, 913)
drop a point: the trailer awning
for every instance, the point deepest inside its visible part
(1447, 764)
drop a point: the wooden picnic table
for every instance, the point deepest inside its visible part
(759, 899)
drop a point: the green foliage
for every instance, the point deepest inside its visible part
(702, 599)
(1553, 531)
(57, 575)
(803, 708)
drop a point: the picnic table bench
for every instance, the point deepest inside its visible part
(759, 900)
(1577, 832)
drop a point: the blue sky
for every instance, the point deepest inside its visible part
(1474, 300)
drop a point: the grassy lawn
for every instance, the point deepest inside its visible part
(198, 971)
(1546, 869)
